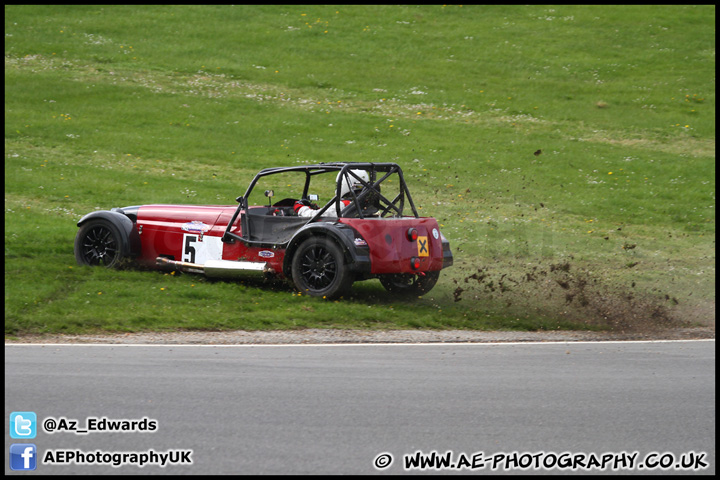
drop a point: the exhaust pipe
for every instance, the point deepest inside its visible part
(220, 268)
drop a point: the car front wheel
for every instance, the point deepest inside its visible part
(318, 269)
(98, 243)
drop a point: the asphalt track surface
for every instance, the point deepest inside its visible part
(340, 409)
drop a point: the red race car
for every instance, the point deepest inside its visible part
(361, 232)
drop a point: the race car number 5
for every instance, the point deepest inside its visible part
(200, 251)
(189, 249)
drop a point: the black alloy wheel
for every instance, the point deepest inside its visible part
(98, 243)
(318, 269)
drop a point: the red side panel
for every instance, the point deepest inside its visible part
(164, 227)
(193, 234)
(390, 249)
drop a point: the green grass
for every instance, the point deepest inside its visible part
(610, 226)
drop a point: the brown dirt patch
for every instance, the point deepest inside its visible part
(565, 292)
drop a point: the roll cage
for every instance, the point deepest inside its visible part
(369, 202)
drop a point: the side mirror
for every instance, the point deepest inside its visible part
(269, 194)
(239, 199)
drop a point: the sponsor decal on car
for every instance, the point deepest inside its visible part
(266, 254)
(196, 226)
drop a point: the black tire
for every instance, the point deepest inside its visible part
(99, 243)
(318, 269)
(409, 284)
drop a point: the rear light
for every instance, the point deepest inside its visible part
(415, 263)
(412, 234)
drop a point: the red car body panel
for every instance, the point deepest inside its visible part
(390, 248)
(164, 231)
(160, 227)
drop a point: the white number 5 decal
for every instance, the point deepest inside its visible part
(197, 251)
(189, 249)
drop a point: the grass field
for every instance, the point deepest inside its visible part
(568, 153)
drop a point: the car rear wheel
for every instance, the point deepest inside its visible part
(98, 243)
(409, 284)
(318, 269)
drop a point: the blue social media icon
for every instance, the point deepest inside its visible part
(23, 425)
(23, 456)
